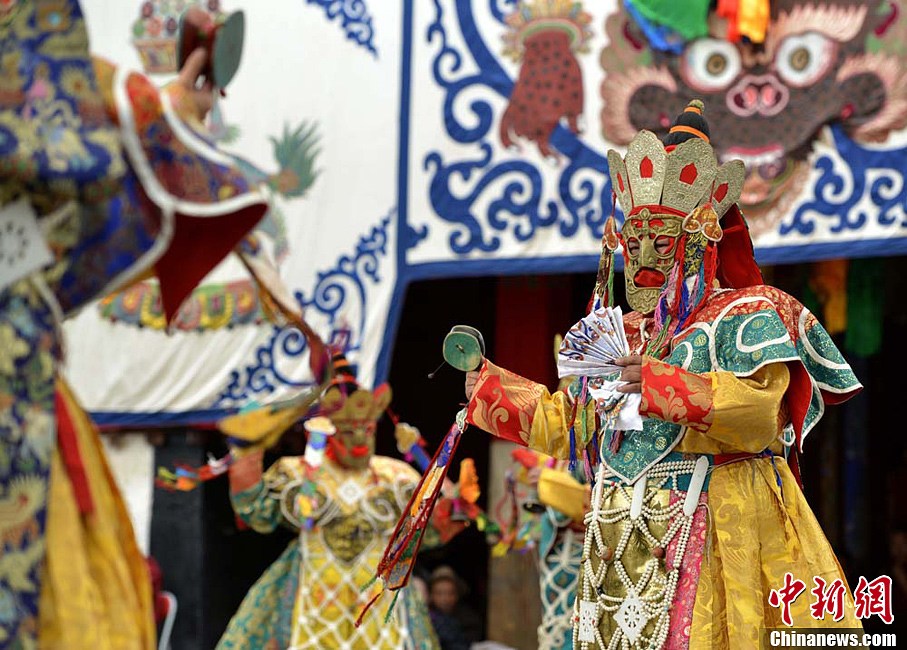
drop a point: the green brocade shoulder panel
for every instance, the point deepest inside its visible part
(744, 333)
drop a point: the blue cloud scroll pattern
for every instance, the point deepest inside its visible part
(509, 192)
(484, 196)
(840, 188)
(339, 299)
(355, 20)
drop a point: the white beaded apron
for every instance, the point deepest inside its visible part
(628, 580)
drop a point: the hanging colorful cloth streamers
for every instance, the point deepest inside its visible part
(745, 18)
(458, 506)
(661, 37)
(468, 485)
(509, 522)
(753, 18)
(396, 565)
(319, 429)
(280, 305)
(464, 495)
(253, 425)
(603, 294)
(686, 18)
(307, 500)
(828, 279)
(410, 443)
(517, 535)
(184, 478)
(528, 460)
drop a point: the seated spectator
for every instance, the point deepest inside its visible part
(456, 625)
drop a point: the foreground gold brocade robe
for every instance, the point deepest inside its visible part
(92, 158)
(96, 591)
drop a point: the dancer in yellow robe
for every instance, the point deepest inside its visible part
(100, 186)
(697, 516)
(344, 511)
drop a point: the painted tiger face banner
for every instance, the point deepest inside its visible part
(833, 63)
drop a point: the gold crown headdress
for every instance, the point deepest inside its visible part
(681, 178)
(345, 401)
(359, 406)
(676, 182)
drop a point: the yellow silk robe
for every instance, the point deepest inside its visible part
(333, 561)
(96, 591)
(753, 524)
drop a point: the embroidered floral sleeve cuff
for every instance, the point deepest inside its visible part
(514, 408)
(723, 412)
(503, 403)
(676, 395)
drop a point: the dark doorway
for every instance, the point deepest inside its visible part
(518, 317)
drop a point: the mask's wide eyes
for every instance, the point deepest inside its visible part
(802, 59)
(664, 244)
(632, 247)
(710, 64)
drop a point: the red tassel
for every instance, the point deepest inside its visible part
(72, 457)
(679, 253)
(507, 499)
(711, 262)
(711, 270)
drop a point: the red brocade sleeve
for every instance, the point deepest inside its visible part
(514, 408)
(503, 403)
(723, 413)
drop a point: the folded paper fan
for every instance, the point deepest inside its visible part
(589, 350)
(592, 345)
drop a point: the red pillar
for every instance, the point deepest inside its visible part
(531, 310)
